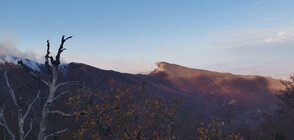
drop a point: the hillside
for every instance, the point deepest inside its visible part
(246, 90)
(203, 91)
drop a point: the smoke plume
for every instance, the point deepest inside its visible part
(8, 49)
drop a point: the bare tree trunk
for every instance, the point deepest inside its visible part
(47, 105)
(53, 86)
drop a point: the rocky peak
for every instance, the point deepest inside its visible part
(161, 66)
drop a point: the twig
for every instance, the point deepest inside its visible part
(4, 124)
(55, 133)
(11, 90)
(61, 113)
(60, 94)
(30, 106)
(31, 127)
(70, 83)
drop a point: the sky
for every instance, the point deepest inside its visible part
(239, 36)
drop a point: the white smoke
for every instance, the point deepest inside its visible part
(9, 53)
(8, 50)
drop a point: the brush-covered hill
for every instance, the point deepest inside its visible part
(203, 91)
(246, 90)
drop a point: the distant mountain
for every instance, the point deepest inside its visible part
(208, 82)
(203, 91)
(251, 92)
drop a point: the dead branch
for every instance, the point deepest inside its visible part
(30, 106)
(47, 55)
(56, 62)
(4, 124)
(31, 127)
(12, 94)
(60, 94)
(57, 112)
(55, 133)
(70, 83)
(21, 117)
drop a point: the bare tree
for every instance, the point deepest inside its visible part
(52, 66)
(21, 117)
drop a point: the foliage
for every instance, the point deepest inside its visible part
(279, 124)
(215, 131)
(124, 114)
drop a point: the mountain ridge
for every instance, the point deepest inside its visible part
(202, 90)
(174, 71)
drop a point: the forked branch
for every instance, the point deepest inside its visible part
(30, 106)
(56, 62)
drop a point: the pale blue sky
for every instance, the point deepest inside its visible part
(131, 35)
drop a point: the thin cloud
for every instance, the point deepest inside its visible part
(275, 69)
(257, 3)
(252, 37)
(270, 19)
